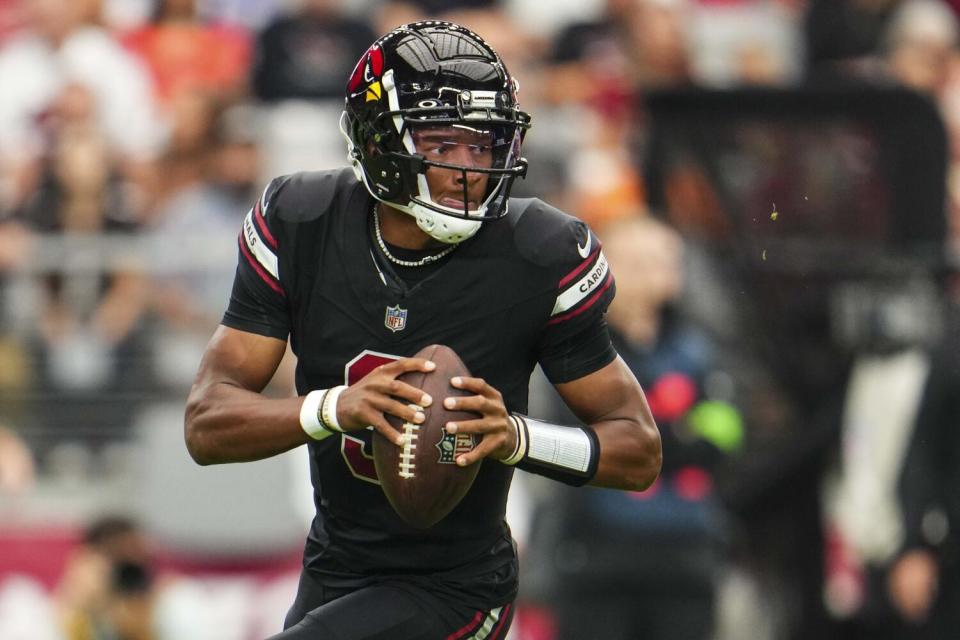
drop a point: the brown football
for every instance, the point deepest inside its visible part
(422, 480)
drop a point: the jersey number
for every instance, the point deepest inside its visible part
(357, 448)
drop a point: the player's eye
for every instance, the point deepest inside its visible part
(437, 148)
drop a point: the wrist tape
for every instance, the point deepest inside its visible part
(567, 454)
(318, 413)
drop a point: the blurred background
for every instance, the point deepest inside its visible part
(777, 186)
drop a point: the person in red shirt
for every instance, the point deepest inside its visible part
(185, 53)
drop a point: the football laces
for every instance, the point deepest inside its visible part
(407, 465)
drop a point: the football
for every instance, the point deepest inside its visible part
(421, 479)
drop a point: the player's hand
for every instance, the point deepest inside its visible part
(367, 402)
(497, 430)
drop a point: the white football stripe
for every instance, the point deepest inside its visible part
(258, 248)
(583, 288)
(488, 624)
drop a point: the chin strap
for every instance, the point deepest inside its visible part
(438, 226)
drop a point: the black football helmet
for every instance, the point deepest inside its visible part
(433, 74)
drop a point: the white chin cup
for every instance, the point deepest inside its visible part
(442, 227)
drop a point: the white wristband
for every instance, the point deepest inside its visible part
(328, 409)
(522, 438)
(310, 415)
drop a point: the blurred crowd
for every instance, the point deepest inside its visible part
(135, 134)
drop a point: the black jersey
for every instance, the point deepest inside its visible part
(529, 288)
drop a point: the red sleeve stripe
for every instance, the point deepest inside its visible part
(266, 277)
(583, 265)
(467, 628)
(576, 292)
(484, 627)
(586, 305)
(262, 226)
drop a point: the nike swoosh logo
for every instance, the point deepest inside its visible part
(584, 251)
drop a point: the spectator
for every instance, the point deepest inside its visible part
(845, 37)
(63, 45)
(183, 52)
(307, 53)
(647, 564)
(200, 214)
(892, 328)
(192, 115)
(921, 42)
(591, 62)
(107, 586)
(690, 396)
(88, 326)
(924, 580)
(601, 64)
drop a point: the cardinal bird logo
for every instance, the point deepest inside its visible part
(365, 79)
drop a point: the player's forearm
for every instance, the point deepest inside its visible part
(613, 452)
(622, 441)
(225, 423)
(630, 454)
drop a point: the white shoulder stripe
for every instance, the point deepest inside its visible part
(258, 248)
(578, 291)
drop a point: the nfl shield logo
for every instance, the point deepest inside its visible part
(396, 318)
(452, 445)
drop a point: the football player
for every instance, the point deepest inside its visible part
(418, 242)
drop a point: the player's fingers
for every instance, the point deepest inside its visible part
(405, 365)
(478, 404)
(383, 427)
(406, 393)
(404, 411)
(486, 447)
(476, 385)
(498, 435)
(481, 426)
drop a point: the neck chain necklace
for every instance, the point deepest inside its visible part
(425, 260)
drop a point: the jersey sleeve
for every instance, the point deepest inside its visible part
(575, 341)
(258, 302)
